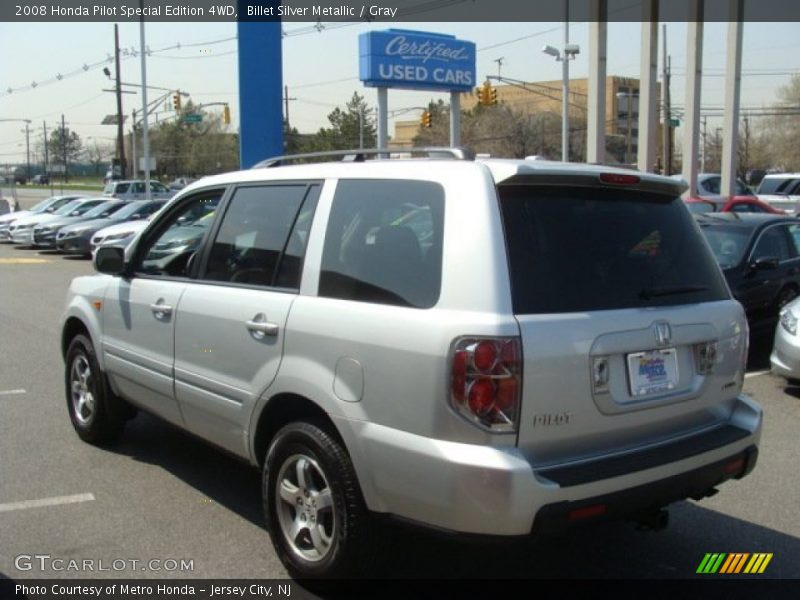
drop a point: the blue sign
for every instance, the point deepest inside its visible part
(416, 60)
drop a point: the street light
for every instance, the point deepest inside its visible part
(569, 53)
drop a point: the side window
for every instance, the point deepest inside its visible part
(384, 243)
(711, 185)
(773, 244)
(121, 188)
(742, 207)
(794, 233)
(137, 188)
(169, 252)
(254, 245)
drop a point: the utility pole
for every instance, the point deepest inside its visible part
(703, 148)
(286, 99)
(134, 169)
(120, 132)
(27, 151)
(629, 126)
(145, 132)
(64, 147)
(46, 161)
(667, 129)
(565, 90)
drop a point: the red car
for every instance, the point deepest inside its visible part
(749, 204)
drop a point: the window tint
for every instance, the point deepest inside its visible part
(774, 185)
(582, 249)
(709, 185)
(744, 207)
(728, 242)
(794, 232)
(120, 188)
(169, 252)
(773, 244)
(253, 244)
(384, 243)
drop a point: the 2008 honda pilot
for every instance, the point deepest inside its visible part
(499, 347)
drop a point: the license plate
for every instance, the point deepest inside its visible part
(652, 372)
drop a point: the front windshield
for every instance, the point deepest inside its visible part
(40, 206)
(103, 210)
(130, 209)
(727, 243)
(68, 208)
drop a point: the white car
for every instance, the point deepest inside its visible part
(119, 235)
(134, 189)
(781, 190)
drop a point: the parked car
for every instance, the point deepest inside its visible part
(759, 255)
(120, 235)
(135, 190)
(785, 357)
(76, 239)
(21, 230)
(587, 364)
(41, 179)
(781, 190)
(46, 206)
(181, 182)
(44, 234)
(736, 204)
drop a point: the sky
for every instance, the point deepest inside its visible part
(320, 68)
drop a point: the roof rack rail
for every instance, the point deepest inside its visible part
(361, 154)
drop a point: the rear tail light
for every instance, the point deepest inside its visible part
(705, 357)
(486, 381)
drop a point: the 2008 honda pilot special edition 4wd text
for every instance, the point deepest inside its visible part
(481, 346)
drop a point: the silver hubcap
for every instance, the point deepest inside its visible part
(81, 388)
(305, 508)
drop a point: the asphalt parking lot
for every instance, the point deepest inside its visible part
(161, 495)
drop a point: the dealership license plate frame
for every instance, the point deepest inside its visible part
(642, 386)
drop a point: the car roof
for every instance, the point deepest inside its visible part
(501, 170)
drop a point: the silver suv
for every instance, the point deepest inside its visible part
(498, 347)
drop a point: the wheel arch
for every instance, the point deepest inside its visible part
(282, 409)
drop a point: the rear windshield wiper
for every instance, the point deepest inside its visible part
(656, 292)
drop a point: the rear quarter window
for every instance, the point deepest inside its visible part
(383, 243)
(586, 249)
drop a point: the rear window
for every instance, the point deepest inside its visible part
(587, 249)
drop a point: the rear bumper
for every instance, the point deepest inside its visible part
(488, 490)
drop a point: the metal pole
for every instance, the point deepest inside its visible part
(46, 155)
(360, 126)
(733, 83)
(596, 109)
(383, 117)
(27, 151)
(120, 132)
(455, 119)
(64, 147)
(694, 68)
(565, 89)
(145, 134)
(134, 166)
(646, 152)
(665, 115)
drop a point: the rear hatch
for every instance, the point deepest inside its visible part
(630, 337)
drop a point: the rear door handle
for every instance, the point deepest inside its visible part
(260, 328)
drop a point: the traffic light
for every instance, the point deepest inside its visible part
(226, 115)
(487, 95)
(176, 100)
(426, 118)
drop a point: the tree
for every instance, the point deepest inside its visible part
(784, 130)
(65, 147)
(98, 154)
(352, 127)
(195, 149)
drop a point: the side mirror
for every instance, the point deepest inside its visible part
(110, 260)
(765, 263)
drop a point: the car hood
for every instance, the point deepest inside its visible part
(36, 219)
(134, 226)
(94, 224)
(60, 222)
(13, 216)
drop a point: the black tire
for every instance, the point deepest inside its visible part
(89, 400)
(343, 531)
